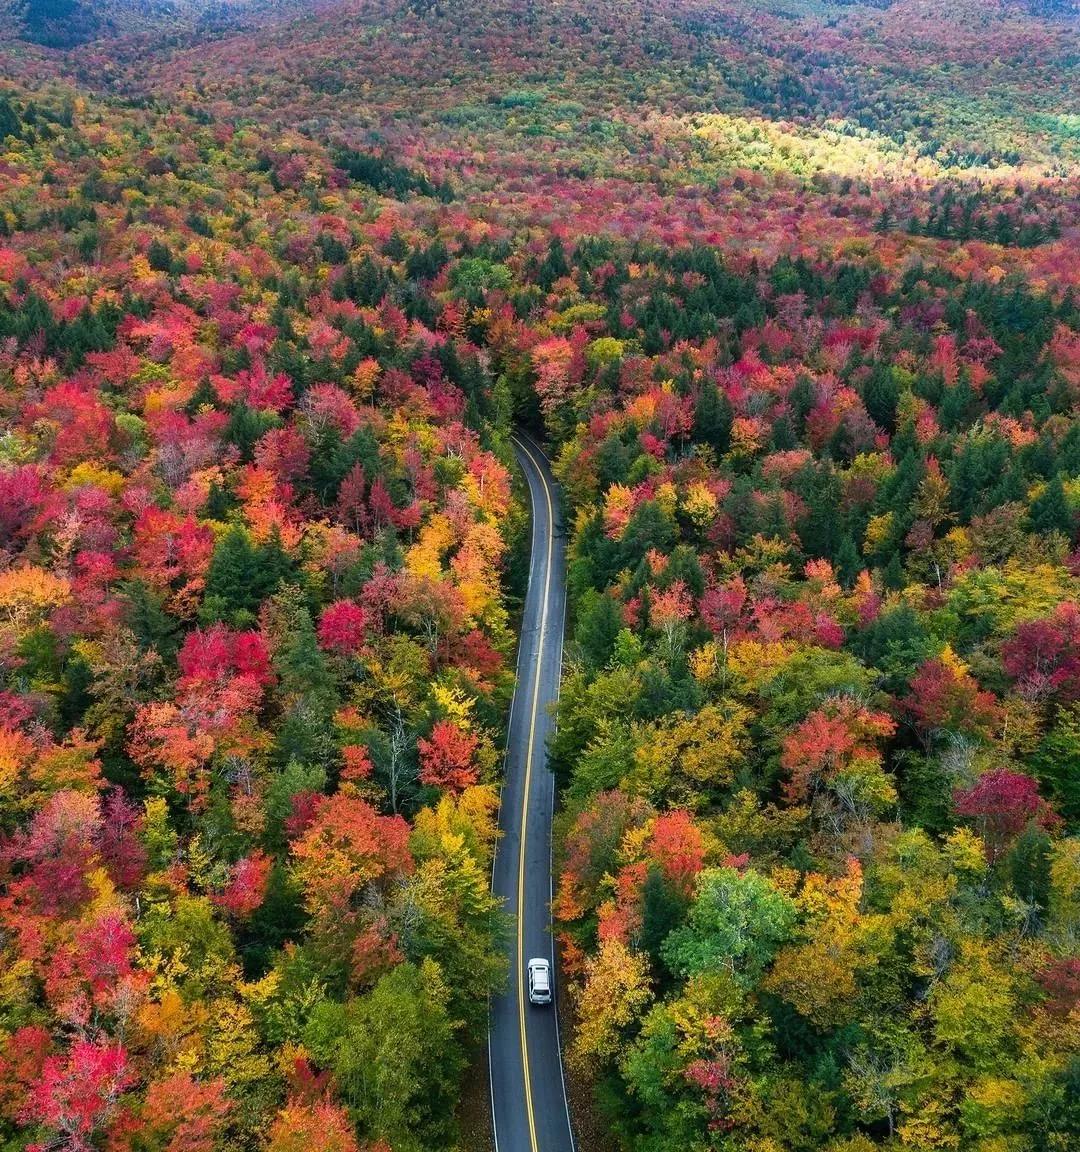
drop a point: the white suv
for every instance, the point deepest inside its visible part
(539, 981)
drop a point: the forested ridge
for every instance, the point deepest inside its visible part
(790, 293)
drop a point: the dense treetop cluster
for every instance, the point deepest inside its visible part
(790, 291)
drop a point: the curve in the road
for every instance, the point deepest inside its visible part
(528, 1094)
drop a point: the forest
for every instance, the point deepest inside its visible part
(789, 291)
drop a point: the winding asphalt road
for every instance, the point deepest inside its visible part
(528, 1093)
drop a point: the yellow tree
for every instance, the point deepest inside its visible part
(616, 993)
(818, 975)
(26, 595)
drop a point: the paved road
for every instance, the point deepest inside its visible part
(528, 1096)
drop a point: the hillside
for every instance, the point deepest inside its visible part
(670, 110)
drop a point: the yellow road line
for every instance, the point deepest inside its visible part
(525, 807)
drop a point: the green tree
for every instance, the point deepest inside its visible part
(1057, 763)
(1050, 511)
(736, 923)
(649, 527)
(713, 418)
(663, 907)
(598, 623)
(303, 670)
(974, 1008)
(395, 1057)
(145, 614)
(450, 915)
(586, 706)
(1029, 864)
(241, 576)
(1052, 1114)
(10, 124)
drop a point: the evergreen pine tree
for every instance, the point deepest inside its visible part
(159, 256)
(713, 418)
(1050, 511)
(663, 908)
(10, 124)
(241, 576)
(893, 576)
(599, 621)
(1029, 863)
(848, 561)
(145, 615)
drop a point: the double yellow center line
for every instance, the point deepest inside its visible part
(525, 801)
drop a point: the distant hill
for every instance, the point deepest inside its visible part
(69, 23)
(1053, 7)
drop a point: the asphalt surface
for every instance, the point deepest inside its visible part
(528, 1094)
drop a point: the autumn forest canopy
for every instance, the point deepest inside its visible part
(790, 290)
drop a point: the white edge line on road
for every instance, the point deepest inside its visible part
(551, 871)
